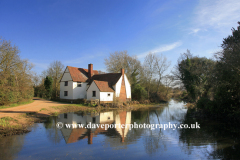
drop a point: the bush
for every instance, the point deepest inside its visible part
(139, 93)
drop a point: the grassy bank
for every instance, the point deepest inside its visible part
(17, 104)
(10, 126)
(17, 122)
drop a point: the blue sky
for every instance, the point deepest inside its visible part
(79, 32)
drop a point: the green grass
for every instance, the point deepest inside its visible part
(10, 129)
(17, 104)
(55, 114)
(5, 121)
(79, 105)
(43, 109)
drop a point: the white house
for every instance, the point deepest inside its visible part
(79, 83)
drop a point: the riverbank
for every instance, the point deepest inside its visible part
(27, 101)
(16, 120)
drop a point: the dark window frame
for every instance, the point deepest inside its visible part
(93, 93)
(79, 84)
(65, 93)
(93, 119)
(66, 83)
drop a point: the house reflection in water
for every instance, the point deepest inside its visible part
(112, 117)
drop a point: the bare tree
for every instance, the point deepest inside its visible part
(162, 66)
(122, 59)
(149, 69)
(168, 82)
(155, 67)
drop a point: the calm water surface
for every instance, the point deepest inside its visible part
(45, 141)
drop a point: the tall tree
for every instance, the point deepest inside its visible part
(154, 67)
(55, 71)
(15, 76)
(122, 59)
(227, 75)
(196, 74)
(162, 66)
(48, 86)
(149, 68)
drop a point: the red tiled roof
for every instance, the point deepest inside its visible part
(80, 74)
(103, 86)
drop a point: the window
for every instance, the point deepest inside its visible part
(65, 93)
(108, 94)
(94, 120)
(66, 83)
(79, 84)
(65, 115)
(93, 93)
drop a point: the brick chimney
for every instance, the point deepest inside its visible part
(90, 70)
(122, 71)
(122, 138)
(90, 137)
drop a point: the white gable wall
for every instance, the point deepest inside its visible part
(79, 92)
(93, 87)
(104, 96)
(117, 87)
(66, 76)
(128, 87)
(69, 88)
(66, 88)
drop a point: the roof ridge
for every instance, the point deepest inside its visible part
(109, 73)
(80, 68)
(79, 74)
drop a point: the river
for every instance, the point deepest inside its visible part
(148, 139)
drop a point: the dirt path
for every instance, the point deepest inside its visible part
(39, 105)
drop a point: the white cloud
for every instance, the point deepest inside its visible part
(196, 30)
(217, 13)
(161, 48)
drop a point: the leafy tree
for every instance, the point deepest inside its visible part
(227, 76)
(139, 93)
(195, 74)
(48, 86)
(15, 75)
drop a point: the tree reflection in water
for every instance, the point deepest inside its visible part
(212, 141)
(217, 140)
(10, 146)
(53, 134)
